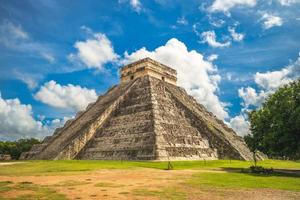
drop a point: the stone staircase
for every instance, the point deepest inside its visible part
(177, 138)
(129, 132)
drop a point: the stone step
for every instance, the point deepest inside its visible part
(125, 119)
(136, 100)
(130, 142)
(122, 136)
(120, 148)
(191, 151)
(135, 108)
(129, 128)
(186, 140)
(144, 154)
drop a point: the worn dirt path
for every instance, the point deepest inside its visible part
(130, 184)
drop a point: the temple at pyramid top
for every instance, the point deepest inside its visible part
(149, 67)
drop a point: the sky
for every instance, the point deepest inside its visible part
(57, 56)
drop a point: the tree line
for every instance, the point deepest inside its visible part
(15, 148)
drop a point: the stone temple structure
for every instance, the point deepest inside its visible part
(146, 117)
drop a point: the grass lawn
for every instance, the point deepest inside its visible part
(128, 179)
(71, 166)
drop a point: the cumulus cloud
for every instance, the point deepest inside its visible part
(17, 121)
(251, 97)
(212, 57)
(240, 125)
(198, 76)
(236, 36)
(273, 80)
(210, 38)
(226, 5)
(270, 21)
(95, 51)
(69, 96)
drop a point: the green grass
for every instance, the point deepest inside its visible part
(230, 177)
(38, 191)
(72, 166)
(242, 180)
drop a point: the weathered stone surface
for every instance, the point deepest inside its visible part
(143, 119)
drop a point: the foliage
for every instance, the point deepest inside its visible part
(15, 148)
(275, 127)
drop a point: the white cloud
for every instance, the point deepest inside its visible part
(49, 57)
(270, 21)
(94, 52)
(226, 5)
(236, 36)
(12, 31)
(69, 97)
(240, 125)
(16, 121)
(182, 21)
(216, 21)
(209, 37)
(273, 80)
(251, 97)
(136, 5)
(288, 2)
(212, 57)
(197, 76)
(14, 37)
(268, 83)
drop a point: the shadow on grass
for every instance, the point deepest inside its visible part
(276, 172)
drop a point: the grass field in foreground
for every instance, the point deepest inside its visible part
(69, 166)
(219, 177)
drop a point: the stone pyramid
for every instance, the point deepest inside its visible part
(145, 117)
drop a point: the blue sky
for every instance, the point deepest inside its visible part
(57, 56)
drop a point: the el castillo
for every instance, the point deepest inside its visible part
(146, 138)
(149, 100)
(146, 117)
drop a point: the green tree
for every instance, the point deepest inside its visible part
(15, 148)
(275, 127)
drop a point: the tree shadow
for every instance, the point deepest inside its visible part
(276, 172)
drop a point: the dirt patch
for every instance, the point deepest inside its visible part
(10, 163)
(138, 184)
(106, 184)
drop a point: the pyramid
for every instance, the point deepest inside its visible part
(146, 117)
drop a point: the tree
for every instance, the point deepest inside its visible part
(275, 127)
(253, 145)
(15, 148)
